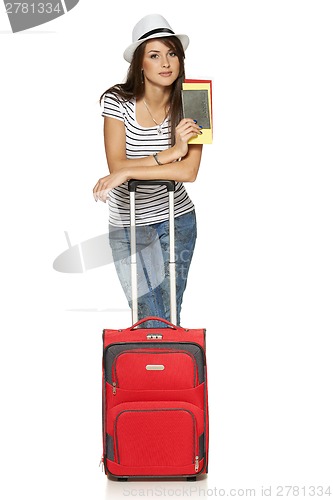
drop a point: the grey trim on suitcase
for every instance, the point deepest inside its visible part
(201, 445)
(109, 447)
(113, 350)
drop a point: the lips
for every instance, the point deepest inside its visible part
(166, 73)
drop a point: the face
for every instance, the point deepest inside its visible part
(160, 63)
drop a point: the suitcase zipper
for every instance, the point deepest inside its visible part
(114, 388)
(196, 464)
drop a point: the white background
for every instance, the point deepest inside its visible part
(262, 275)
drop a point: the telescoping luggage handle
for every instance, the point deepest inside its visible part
(170, 185)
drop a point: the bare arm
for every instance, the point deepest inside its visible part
(121, 169)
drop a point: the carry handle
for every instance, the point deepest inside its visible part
(154, 318)
(134, 183)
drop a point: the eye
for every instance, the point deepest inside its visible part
(172, 54)
(154, 56)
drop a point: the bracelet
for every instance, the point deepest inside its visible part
(156, 159)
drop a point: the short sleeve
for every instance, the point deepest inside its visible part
(112, 107)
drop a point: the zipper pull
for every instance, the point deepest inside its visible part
(101, 463)
(114, 388)
(196, 464)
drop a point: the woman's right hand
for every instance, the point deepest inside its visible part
(185, 130)
(105, 184)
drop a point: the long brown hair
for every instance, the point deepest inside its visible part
(134, 85)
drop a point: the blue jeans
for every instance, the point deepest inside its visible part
(153, 263)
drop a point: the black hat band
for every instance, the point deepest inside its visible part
(154, 32)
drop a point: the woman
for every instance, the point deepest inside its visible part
(146, 138)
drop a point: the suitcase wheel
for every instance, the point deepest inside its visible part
(122, 478)
(191, 478)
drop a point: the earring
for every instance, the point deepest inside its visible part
(142, 77)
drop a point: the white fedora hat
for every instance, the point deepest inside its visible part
(151, 26)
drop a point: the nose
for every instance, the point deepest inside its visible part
(165, 62)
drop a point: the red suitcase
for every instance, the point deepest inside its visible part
(155, 397)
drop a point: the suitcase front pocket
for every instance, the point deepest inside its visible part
(154, 369)
(156, 435)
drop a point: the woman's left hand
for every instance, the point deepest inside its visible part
(105, 184)
(185, 130)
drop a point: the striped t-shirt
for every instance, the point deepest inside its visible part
(152, 202)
